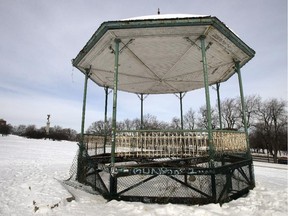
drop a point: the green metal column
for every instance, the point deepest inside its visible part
(213, 188)
(87, 74)
(113, 178)
(207, 95)
(182, 127)
(237, 66)
(219, 104)
(181, 110)
(80, 166)
(105, 118)
(116, 64)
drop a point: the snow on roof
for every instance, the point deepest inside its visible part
(164, 16)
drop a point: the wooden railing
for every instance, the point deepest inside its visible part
(166, 143)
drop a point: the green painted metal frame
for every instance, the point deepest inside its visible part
(87, 74)
(215, 195)
(244, 117)
(115, 90)
(207, 96)
(81, 144)
(105, 117)
(113, 179)
(219, 104)
(166, 23)
(196, 21)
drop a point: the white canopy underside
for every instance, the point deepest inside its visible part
(163, 59)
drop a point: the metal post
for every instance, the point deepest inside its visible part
(113, 178)
(219, 104)
(141, 98)
(181, 110)
(80, 166)
(207, 95)
(251, 175)
(237, 66)
(105, 118)
(87, 74)
(213, 188)
(116, 64)
(182, 127)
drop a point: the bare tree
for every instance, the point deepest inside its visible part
(190, 119)
(272, 117)
(252, 102)
(70, 133)
(126, 124)
(256, 139)
(129, 124)
(176, 123)
(203, 118)
(151, 123)
(19, 130)
(98, 127)
(137, 123)
(229, 113)
(5, 129)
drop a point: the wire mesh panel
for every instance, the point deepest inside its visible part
(165, 188)
(226, 181)
(74, 167)
(190, 180)
(222, 186)
(96, 182)
(240, 178)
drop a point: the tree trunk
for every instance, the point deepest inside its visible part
(275, 158)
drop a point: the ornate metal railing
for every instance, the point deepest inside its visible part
(166, 143)
(229, 141)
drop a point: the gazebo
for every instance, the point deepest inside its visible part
(164, 54)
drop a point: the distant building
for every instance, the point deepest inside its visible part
(2, 122)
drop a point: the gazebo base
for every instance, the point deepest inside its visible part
(168, 180)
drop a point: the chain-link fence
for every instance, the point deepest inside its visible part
(164, 181)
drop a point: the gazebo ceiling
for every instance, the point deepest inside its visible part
(162, 55)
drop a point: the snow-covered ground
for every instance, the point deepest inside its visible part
(28, 169)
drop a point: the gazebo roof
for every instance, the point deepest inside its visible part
(162, 54)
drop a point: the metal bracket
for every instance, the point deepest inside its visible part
(126, 45)
(192, 42)
(139, 96)
(208, 46)
(88, 71)
(111, 48)
(180, 97)
(108, 88)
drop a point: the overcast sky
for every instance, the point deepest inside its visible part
(39, 38)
